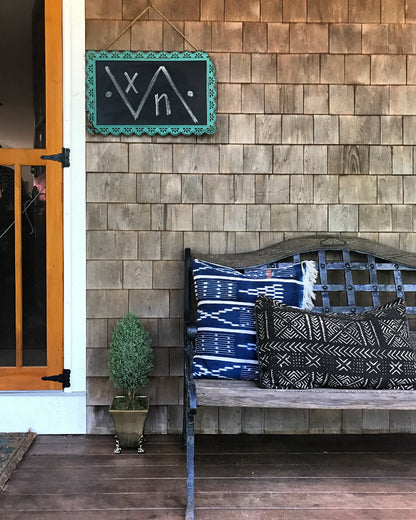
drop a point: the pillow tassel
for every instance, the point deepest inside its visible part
(310, 276)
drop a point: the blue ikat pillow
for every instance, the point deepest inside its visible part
(226, 338)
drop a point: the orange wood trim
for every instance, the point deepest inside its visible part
(25, 378)
(54, 185)
(54, 269)
(53, 71)
(10, 156)
(18, 263)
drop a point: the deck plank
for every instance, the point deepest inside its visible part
(325, 477)
(209, 514)
(223, 500)
(44, 486)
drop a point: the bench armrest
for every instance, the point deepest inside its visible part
(191, 330)
(192, 396)
(189, 345)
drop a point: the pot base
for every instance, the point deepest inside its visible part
(139, 444)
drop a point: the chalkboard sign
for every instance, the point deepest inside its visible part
(150, 93)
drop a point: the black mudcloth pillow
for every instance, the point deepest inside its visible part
(302, 349)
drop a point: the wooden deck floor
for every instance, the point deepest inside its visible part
(345, 477)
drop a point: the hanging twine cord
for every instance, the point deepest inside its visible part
(142, 14)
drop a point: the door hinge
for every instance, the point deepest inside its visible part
(63, 378)
(62, 157)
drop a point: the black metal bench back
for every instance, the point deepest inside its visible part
(354, 274)
(354, 282)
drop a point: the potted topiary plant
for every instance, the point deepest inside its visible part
(130, 363)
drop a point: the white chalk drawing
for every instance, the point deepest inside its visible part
(131, 83)
(136, 113)
(167, 104)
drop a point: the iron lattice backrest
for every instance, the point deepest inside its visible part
(355, 274)
(354, 282)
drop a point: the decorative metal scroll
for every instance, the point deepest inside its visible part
(150, 93)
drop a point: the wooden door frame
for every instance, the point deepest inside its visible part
(64, 411)
(21, 377)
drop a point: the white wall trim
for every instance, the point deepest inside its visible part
(43, 412)
(74, 193)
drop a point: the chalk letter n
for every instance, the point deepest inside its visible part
(167, 104)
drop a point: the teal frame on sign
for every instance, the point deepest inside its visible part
(150, 93)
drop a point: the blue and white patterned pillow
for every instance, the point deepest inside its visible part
(226, 338)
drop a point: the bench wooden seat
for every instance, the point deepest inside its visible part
(355, 275)
(249, 394)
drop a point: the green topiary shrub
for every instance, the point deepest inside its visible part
(131, 356)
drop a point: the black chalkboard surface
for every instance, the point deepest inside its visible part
(164, 93)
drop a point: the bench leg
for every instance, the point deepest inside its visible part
(185, 420)
(190, 474)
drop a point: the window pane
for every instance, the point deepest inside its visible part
(34, 265)
(22, 77)
(7, 271)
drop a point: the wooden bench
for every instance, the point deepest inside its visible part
(355, 275)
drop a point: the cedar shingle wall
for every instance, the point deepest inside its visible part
(316, 131)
